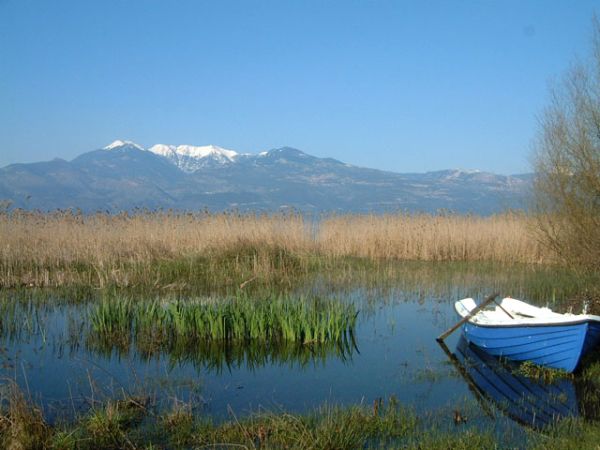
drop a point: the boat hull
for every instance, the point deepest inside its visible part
(553, 345)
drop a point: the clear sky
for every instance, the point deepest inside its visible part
(407, 86)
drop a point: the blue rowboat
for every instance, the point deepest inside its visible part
(530, 402)
(518, 331)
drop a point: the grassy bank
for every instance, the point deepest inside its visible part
(132, 423)
(165, 250)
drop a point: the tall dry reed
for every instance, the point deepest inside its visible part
(60, 238)
(63, 248)
(424, 237)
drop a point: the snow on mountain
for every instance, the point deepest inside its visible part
(190, 158)
(119, 143)
(193, 151)
(460, 173)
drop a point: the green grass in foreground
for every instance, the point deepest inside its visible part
(132, 424)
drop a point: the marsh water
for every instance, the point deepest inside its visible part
(393, 355)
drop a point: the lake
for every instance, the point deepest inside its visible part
(393, 355)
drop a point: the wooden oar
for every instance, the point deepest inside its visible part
(474, 311)
(500, 306)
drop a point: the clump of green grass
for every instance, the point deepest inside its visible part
(591, 371)
(568, 434)
(108, 425)
(113, 318)
(588, 386)
(22, 425)
(238, 320)
(113, 425)
(548, 375)
(182, 426)
(218, 334)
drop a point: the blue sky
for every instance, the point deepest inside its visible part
(395, 85)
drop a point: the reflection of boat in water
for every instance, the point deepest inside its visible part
(519, 331)
(525, 400)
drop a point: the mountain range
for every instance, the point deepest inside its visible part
(125, 176)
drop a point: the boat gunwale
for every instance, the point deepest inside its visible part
(562, 320)
(532, 325)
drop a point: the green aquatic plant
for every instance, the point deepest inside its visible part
(19, 320)
(546, 374)
(591, 372)
(241, 319)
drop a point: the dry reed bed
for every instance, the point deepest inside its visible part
(103, 239)
(48, 247)
(505, 238)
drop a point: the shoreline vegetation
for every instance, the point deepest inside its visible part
(68, 255)
(131, 422)
(166, 250)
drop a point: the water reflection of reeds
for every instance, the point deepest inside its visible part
(217, 356)
(20, 320)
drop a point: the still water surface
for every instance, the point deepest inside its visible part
(395, 355)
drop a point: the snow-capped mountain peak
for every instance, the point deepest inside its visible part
(193, 151)
(460, 171)
(190, 158)
(119, 143)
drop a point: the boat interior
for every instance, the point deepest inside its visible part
(510, 311)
